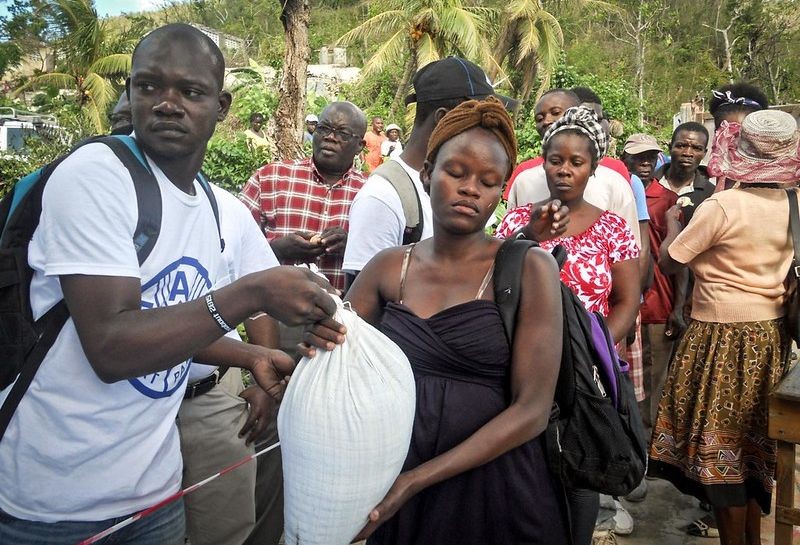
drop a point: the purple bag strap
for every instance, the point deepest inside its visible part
(608, 357)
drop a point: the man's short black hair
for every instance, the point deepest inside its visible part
(561, 90)
(689, 126)
(426, 109)
(256, 115)
(181, 31)
(586, 94)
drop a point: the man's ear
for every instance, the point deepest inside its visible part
(225, 100)
(128, 88)
(425, 175)
(438, 115)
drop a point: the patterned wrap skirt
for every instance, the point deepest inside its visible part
(710, 436)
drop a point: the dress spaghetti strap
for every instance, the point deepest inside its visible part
(404, 269)
(485, 283)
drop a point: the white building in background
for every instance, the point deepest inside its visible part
(228, 43)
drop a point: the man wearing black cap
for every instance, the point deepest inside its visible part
(377, 218)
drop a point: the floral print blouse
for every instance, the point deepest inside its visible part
(590, 254)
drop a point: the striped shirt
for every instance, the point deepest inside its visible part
(291, 196)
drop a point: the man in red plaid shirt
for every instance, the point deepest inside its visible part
(303, 205)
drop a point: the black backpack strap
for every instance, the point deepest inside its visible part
(397, 176)
(206, 185)
(148, 194)
(794, 230)
(508, 280)
(51, 324)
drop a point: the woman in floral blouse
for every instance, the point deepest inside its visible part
(601, 267)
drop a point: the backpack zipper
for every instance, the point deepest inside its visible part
(598, 381)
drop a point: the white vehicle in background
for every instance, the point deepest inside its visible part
(17, 125)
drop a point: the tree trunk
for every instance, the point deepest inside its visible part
(728, 57)
(504, 41)
(292, 89)
(405, 84)
(529, 80)
(640, 45)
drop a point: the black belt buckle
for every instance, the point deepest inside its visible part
(205, 385)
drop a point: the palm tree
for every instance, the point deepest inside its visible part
(90, 58)
(419, 32)
(531, 39)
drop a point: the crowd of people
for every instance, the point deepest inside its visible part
(142, 390)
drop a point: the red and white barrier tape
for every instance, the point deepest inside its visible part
(141, 514)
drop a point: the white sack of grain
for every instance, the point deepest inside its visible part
(345, 427)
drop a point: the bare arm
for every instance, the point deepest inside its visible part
(665, 261)
(645, 259)
(624, 299)
(536, 358)
(676, 324)
(119, 337)
(262, 331)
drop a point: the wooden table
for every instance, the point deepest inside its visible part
(784, 425)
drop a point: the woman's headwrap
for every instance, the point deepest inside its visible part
(488, 114)
(583, 120)
(728, 98)
(765, 148)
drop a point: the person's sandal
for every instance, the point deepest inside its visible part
(702, 528)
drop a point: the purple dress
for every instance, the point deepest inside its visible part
(461, 362)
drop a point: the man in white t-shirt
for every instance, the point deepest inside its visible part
(94, 439)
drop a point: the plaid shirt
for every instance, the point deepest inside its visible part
(290, 196)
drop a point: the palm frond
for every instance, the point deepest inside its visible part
(427, 51)
(523, 9)
(118, 64)
(388, 54)
(56, 79)
(541, 31)
(463, 30)
(375, 27)
(99, 90)
(95, 115)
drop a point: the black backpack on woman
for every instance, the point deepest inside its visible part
(595, 438)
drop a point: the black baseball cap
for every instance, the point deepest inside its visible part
(452, 77)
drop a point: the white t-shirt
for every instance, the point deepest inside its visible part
(391, 149)
(78, 449)
(246, 251)
(377, 221)
(606, 189)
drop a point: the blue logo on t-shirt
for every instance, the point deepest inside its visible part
(184, 280)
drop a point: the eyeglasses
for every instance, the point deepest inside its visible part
(339, 134)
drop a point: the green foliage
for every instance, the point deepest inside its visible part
(253, 98)
(12, 168)
(529, 144)
(230, 161)
(374, 94)
(39, 150)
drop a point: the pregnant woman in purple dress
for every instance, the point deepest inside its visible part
(475, 471)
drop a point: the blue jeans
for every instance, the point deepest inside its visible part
(163, 527)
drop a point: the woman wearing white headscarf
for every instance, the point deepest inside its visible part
(710, 436)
